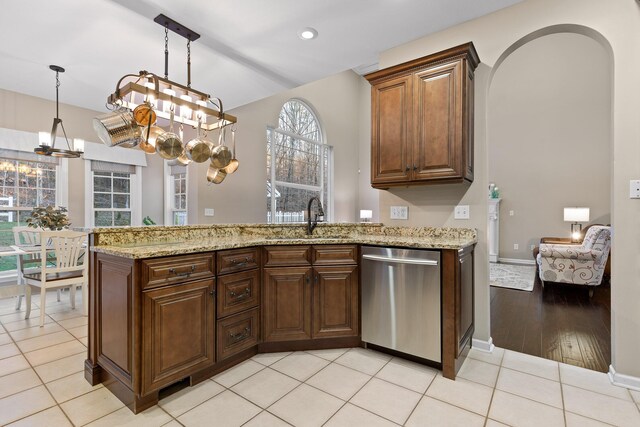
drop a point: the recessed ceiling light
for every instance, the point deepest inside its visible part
(308, 33)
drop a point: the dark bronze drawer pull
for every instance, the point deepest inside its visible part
(242, 262)
(240, 335)
(245, 294)
(183, 273)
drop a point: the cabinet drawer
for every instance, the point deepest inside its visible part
(238, 260)
(238, 332)
(175, 269)
(335, 254)
(276, 256)
(238, 292)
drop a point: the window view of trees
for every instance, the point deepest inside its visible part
(111, 199)
(298, 164)
(23, 186)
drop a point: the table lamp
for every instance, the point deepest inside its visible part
(576, 216)
(366, 215)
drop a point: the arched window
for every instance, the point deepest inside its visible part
(298, 164)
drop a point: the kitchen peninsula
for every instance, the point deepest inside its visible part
(171, 304)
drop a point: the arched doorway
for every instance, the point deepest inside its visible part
(549, 146)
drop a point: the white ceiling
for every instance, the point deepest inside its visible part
(249, 49)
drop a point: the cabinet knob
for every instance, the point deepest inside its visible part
(415, 168)
(407, 169)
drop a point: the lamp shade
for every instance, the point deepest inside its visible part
(366, 214)
(44, 138)
(576, 214)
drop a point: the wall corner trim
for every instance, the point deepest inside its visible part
(486, 346)
(622, 380)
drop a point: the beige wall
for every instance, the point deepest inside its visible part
(617, 25)
(550, 106)
(32, 114)
(241, 198)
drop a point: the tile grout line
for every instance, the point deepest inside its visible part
(43, 384)
(32, 367)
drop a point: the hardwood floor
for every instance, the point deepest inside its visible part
(558, 322)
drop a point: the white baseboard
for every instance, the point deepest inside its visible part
(517, 261)
(483, 345)
(622, 380)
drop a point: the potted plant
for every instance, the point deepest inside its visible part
(49, 218)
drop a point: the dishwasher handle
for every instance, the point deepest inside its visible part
(431, 262)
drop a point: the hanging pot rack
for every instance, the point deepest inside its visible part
(133, 93)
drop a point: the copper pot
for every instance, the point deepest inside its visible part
(168, 144)
(220, 154)
(234, 163)
(149, 137)
(198, 149)
(144, 114)
(215, 175)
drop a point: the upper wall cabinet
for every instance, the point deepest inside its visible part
(422, 120)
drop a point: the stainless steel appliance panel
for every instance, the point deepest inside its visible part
(401, 300)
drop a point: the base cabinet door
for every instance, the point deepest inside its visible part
(335, 301)
(287, 303)
(178, 334)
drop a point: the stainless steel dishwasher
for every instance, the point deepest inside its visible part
(401, 300)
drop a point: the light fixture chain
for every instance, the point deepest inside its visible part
(166, 51)
(188, 63)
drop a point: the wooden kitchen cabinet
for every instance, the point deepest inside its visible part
(422, 120)
(178, 333)
(238, 298)
(287, 303)
(458, 299)
(335, 301)
(314, 302)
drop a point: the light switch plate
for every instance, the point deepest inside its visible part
(399, 212)
(208, 212)
(461, 212)
(634, 189)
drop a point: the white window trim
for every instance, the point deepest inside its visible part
(168, 195)
(329, 210)
(18, 140)
(136, 196)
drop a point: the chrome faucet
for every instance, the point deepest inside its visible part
(320, 213)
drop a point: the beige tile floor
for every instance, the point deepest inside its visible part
(42, 384)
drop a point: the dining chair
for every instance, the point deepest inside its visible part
(68, 270)
(29, 236)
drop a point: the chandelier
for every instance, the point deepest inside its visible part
(47, 140)
(141, 99)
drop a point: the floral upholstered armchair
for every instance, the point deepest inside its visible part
(579, 265)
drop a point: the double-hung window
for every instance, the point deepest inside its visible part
(298, 165)
(176, 195)
(26, 181)
(113, 193)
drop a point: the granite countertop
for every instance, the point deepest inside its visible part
(149, 242)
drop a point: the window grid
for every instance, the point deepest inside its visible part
(179, 199)
(23, 186)
(111, 199)
(298, 165)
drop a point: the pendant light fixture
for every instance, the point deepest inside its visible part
(47, 141)
(143, 98)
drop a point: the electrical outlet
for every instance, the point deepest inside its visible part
(516, 246)
(511, 213)
(634, 189)
(399, 212)
(532, 247)
(461, 212)
(208, 212)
